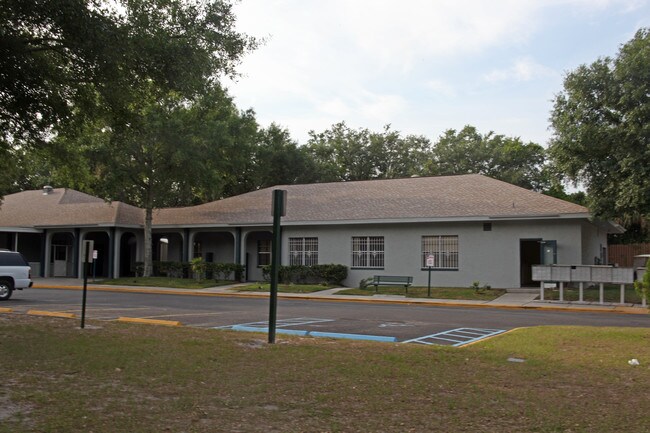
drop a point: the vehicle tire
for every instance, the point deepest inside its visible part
(6, 288)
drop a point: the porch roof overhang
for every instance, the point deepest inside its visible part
(456, 219)
(21, 230)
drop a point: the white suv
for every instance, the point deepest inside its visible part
(15, 273)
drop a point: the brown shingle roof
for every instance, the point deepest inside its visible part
(64, 207)
(446, 197)
(453, 197)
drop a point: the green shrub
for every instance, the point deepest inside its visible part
(199, 267)
(363, 284)
(226, 271)
(476, 285)
(643, 287)
(317, 274)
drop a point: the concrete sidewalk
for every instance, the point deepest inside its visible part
(509, 300)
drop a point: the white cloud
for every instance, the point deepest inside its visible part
(441, 87)
(371, 62)
(523, 69)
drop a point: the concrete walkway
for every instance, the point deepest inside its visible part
(521, 300)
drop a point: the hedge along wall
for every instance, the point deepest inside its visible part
(217, 271)
(316, 274)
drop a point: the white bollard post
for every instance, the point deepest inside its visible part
(622, 293)
(602, 293)
(582, 292)
(561, 291)
(541, 291)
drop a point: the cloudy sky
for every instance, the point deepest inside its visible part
(422, 66)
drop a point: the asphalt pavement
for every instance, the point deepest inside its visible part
(382, 318)
(519, 299)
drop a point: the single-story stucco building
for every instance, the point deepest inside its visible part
(475, 227)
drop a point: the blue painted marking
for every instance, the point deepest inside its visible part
(353, 336)
(278, 331)
(302, 333)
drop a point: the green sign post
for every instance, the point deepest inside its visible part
(279, 210)
(87, 258)
(430, 264)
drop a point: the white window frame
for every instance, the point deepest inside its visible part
(263, 250)
(303, 251)
(368, 252)
(443, 248)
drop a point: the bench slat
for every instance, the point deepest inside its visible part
(388, 280)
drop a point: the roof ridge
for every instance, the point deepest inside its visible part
(336, 182)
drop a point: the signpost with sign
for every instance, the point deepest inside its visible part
(431, 262)
(279, 210)
(88, 257)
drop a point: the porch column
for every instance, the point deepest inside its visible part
(118, 253)
(45, 253)
(79, 247)
(238, 245)
(75, 253)
(190, 245)
(185, 248)
(111, 253)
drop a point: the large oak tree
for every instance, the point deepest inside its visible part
(601, 124)
(498, 156)
(93, 58)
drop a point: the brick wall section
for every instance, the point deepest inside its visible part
(623, 255)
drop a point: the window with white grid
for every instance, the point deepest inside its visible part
(303, 251)
(367, 251)
(444, 250)
(263, 252)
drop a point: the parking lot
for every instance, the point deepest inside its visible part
(372, 321)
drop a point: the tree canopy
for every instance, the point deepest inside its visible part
(342, 153)
(601, 125)
(57, 55)
(504, 158)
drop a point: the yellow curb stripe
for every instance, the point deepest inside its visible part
(408, 301)
(51, 314)
(6, 310)
(149, 321)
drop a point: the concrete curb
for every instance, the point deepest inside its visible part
(6, 310)
(51, 314)
(149, 321)
(347, 298)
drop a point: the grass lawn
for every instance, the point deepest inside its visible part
(142, 378)
(284, 288)
(436, 292)
(612, 294)
(175, 283)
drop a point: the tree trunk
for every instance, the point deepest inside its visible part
(148, 262)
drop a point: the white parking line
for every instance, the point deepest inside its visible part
(458, 337)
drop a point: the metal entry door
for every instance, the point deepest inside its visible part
(60, 256)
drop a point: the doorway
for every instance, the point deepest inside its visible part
(535, 252)
(60, 255)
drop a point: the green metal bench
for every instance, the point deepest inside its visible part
(391, 280)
